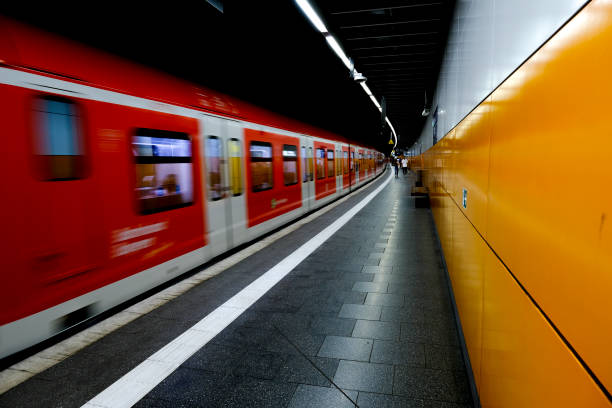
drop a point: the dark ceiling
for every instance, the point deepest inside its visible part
(398, 46)
(267, 53)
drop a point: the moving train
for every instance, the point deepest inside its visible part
(119, 178)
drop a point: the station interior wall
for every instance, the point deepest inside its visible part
(487, 40)
(529, 251)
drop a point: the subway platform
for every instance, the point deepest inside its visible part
(365, 320)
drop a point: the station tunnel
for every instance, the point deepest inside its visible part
(307, 204)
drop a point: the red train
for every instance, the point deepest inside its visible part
(119, 178)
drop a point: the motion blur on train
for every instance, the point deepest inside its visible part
(118, 178)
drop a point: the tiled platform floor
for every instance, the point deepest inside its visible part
(367, 313)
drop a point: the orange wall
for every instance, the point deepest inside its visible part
(536, 160)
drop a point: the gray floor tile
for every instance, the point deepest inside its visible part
(428, 332)
(308, 396)
(384, 299)
(393, 352)
(298, 369)
(354, 297)
(379, 287)
(391, 278)
(215, 358)
(363, 312)
(442, 404)
(333, 326)
(402, 314)
(444, 357)
(439, 385)
(377, 269)
(377, 330)
(369, 400)
(190, 387)
(369, 377)
(251, 392)
(347, 348)
(264, 365)
(358, 276)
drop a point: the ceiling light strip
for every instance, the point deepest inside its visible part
(333, 43)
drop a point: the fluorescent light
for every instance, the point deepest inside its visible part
(316, 21)
(312, 15)
(392, 131)
(338, 50)
(375, 102)
(366, 88)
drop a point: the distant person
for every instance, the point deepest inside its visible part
(396, 165)
(405, 165)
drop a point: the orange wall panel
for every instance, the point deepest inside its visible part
(467, 277)
(534, 158)
(524, 362)
(549, 198)
(471, 166)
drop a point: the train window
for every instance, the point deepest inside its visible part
(290, 171)
(352, 160)
(345, 165)
(320, 163)
(261, 166)
(330, 163)
(304, 165)
(58, 143)
(338, 163)
(310, 165)
(235, 156)
(214, 161)
(164, 174)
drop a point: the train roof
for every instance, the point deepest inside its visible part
(31, 49)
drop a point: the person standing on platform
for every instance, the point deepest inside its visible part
(405, 165)
(396, 164)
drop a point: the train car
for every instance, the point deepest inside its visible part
(119, 178)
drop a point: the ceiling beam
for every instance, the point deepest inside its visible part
(386, 8)
(389, 23)
(393, 36)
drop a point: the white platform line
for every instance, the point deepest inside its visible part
(129, 389)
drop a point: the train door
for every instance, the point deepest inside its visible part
(338, 168)
(361, 166)
(353, 173)
(223, 154)
(345, 168)
(306, 153)
(63, 229)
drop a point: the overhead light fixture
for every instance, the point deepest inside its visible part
(334, 45)
(312, 15)
(392, 131)
(317, 22)
(375, 102)
(426, 110)
(366, 88)
(218, 4)
(358, 77)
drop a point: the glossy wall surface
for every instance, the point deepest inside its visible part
(520, 195)
(488, 39)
